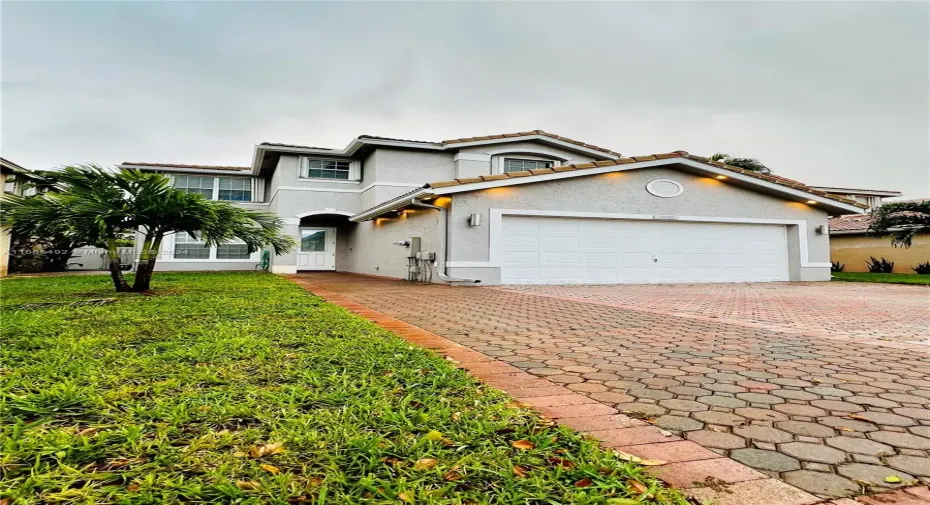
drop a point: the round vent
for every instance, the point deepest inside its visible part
(664, 188)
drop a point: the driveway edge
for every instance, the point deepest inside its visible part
(699, 473)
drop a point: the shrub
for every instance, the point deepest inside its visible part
(836, 266)
(879, 266)
(922, 268)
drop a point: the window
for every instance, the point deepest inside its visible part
(312, 240)
(187, 246)
(230, 189)
(235, 189)
(311, 168)
(195, 184)
(233, 251)
(519, 165)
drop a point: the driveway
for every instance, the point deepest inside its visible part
(823, 385)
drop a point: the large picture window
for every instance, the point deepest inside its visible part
(195, 184)
(235, 189)
(520, 165)
(230, 189)
(313, 168)
(187, 246)
(233, 251)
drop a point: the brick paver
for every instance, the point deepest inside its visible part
(832, 414)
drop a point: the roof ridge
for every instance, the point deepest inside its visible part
(530, 133)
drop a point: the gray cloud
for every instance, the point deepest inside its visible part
(826, 92)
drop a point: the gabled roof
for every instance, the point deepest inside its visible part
(156, 166)
(782, 181)
(770, 182)
(530, 134)
(855, 191)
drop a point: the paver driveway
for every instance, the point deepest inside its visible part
(767, 374)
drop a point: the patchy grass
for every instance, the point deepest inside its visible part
(887, 278)
(242, 388)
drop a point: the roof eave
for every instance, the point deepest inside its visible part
(542, 138)
(824, 203)
(390, 205)
(149, 168)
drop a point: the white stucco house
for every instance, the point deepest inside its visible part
(522, 208)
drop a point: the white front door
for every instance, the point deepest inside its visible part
(548, 250)
(317, 249)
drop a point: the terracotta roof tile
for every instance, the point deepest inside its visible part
(197, 167)
(527, 134)
(784, 181)
(850, 223)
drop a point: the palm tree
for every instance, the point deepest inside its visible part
(750, 164)
(901, 220)
(100, 205)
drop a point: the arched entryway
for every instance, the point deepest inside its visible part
(322, 239)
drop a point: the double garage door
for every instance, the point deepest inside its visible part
(547, 250)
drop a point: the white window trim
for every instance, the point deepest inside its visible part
(257, 187)
(355, 172)
(498, 161)
(168, 248)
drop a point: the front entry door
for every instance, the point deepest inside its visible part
(317, 249)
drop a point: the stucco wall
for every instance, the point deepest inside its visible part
(854, 250)
(371, 244)
(625, 193)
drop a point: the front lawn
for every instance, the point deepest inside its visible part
(243, 388)
(889, 278)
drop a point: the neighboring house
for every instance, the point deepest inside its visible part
(851, 246)
(871, 197)
(530, 207)
(12, 176)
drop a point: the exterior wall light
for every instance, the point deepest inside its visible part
(811, 202)
(721, 177)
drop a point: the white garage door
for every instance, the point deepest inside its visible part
(546, 250)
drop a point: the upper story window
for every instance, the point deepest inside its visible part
(333, 170)
(230, 189)
(520, 165)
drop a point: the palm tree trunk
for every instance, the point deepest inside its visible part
(146, 264)
(116, 271)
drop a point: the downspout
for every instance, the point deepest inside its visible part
(443, 239)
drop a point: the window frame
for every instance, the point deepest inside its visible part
(215, 193)
(505, 159)
(354, 172)
(499, 159)
(166, 255)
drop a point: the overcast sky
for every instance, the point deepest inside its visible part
(831, 93)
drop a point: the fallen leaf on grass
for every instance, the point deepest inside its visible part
(132, 488)
(523, 445)
(434, 436)
(627, 456)
(638, 486)
(456, 416)
(273, 470)
(519, 471)
(425, 464)
(247, 485)
(240, 454)
(406, 496)
(452, 475)
(564, 463)
(585, 482)
(623, 501)
(259, 451)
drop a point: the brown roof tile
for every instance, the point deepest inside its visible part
(527, 134)
(850, 223)
(784, 181)
(197, 167)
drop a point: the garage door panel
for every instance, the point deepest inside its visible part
(544, 250)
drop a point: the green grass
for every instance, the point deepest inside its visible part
(161, 399)
(887, 278)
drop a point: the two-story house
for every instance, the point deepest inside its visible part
(529, 207)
